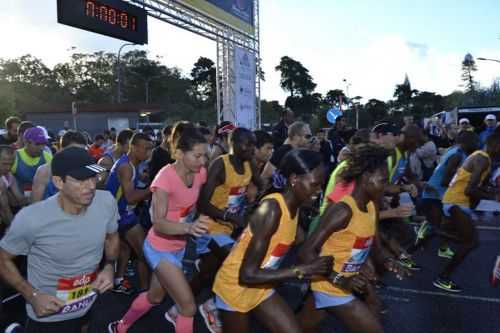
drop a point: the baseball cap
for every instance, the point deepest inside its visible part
(36, 135)
(45, 132)
(226, 129)
(490, 117)
(75, 162)
(384, 128)
(463, 121)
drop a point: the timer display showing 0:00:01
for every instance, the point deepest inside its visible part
(110, 15)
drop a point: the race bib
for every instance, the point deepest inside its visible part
(359, 253)
(76, 292)
(187, 215)
(236, 199)
(276, 257)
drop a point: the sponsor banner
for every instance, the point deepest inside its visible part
(244, 88)
(238, 14)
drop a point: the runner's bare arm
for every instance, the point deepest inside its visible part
(215, 177)
(11, 275)
(473, 190)
(132, 194)
(40, 181)
(256, 179)
(264, 223)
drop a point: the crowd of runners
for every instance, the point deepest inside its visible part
(236, 212)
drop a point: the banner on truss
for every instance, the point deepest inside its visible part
(238, 14)
(244, 88)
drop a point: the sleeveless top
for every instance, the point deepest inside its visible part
(244, 298)
(230, 195)
(25, 167)
(113, 185)
(456, 190)
(350, 247)
(437, 175)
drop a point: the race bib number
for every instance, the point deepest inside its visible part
(359, 253)
(236, 199)
(76, 292)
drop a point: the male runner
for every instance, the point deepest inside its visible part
(464, 192)
(122, 182)
(64, 238)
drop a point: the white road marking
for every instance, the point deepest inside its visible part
(450, 295)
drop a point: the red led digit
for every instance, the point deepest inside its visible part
(103, 13)
(90, 8)
(112, 16)
(124, 20)
(133, 23)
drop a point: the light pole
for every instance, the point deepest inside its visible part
(119, 73)
(487, 59)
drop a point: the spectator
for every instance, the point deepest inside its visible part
(464, 125)
(334, 144)
(96, 150)
(221, 142)
(280, 131)
(11, 125)
(23, 126)
(491, 123)
(263, 149)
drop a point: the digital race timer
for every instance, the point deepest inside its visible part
(114, 18)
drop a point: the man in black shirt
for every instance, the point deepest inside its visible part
(161, 154)
(299, 136)
(11, 125)
(280, 130)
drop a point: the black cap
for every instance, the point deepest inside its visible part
(75, 162)
(384, 128)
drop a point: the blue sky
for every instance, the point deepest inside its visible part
(372, 44)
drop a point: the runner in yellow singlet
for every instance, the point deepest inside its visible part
(348, 231)
(245, 283)
(464, 192)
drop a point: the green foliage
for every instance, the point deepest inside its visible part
(295, 78)
(468, 67)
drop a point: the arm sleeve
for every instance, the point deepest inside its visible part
(20, 235)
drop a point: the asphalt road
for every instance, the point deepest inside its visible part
(414, 305)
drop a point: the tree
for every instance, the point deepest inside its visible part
(295, 78)
(335, 97)
(427, 103)
(204, 80)
(403, 94)
(377, 109)
(468, 67)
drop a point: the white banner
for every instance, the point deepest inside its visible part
(245, 110)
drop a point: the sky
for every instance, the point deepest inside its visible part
(371, 44)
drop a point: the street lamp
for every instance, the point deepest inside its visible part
(487, 59)
(119, 73)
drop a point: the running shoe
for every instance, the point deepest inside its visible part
(124, 287)
(495, 276)
(14, 328)
(211, 317)
(446, 284)
(445, 252)
(113, 327)
(171, 315)
(409, 263)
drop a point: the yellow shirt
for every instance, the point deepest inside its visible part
(349, 247)
(455, 194)
(245, 298)
(230, 195)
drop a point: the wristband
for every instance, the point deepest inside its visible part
(298, 272)
(337, 279)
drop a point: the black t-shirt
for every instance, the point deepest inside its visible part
(6, 141)
(159, 158)
(279, 154)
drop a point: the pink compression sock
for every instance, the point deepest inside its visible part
(139, 307)
(183, 324)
